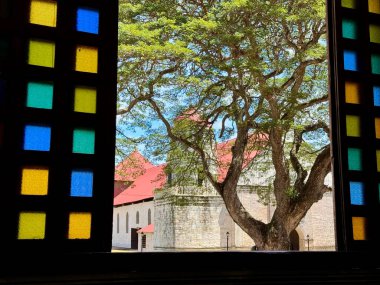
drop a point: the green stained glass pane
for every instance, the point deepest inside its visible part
(349, 29)
(354, 159)
(40, 95)
(84, 141)
(375, 63)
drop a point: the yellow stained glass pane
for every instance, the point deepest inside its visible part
(374, 6)
(378, 160)
(31, 225)
(41, 53)
(359, 228)
(353, 126)
(349, 4)
(374, 33)
(86, 59)
(34, 181)
(80, 226)
(377, 127)
(352, 92)
(43, 12)
(85, 100)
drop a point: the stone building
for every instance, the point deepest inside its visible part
(195, 218)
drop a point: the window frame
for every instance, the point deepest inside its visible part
(212, 266)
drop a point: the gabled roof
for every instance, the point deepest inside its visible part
(148, 177)
(147, 229)
(224, 155)
(143, 186)
(132, 167)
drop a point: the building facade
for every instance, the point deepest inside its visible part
(194, 218)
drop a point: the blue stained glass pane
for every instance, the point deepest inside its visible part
(350, 60)
(376, 95)
(87, 20)
(81, 183)
(37, 138)
(357, 193)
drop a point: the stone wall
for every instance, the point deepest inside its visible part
(163, 223)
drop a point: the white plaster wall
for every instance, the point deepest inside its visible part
(123, 238)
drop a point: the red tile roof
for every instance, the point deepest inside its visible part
(147, 229)
(144, 185)
(132, 167)
(147, 177)
(224, 155)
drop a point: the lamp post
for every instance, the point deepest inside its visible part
(308, 242)
(227, 234)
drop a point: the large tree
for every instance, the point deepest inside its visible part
(254, 71)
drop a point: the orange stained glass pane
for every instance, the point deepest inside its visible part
(374, 6)
(86, 59)
(377, 127)
(359, 228)
(79, 226)
(352, 92)
(34, 181)
(43, 12)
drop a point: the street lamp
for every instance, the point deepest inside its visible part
(227, 234)
(308, 242)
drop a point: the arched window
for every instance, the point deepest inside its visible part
(127, 223)
(149, 217)
(137, 217)
(117, 223)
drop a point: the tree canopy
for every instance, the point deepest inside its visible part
(255, 71)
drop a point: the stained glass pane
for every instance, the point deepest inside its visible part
(357, 193)
(354, 159)
(85, 100)
(359, 228)
(34, 181)
(37, 138)
(349, 4)
(353, 126)
(79, 226)
(352, 92)
(374, 6)
(31, 225)
(41, 53)
(86, 59)
(43, 12)
(84, 141)
(349, 29)
(88, 20)
(81, 183)
(350, 60)
(40, 95)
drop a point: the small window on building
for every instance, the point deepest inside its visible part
(149, 217)
(143, 241)
(117, 223)
(127, 223)
(137, 218)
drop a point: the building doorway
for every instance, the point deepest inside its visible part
(294, 240)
